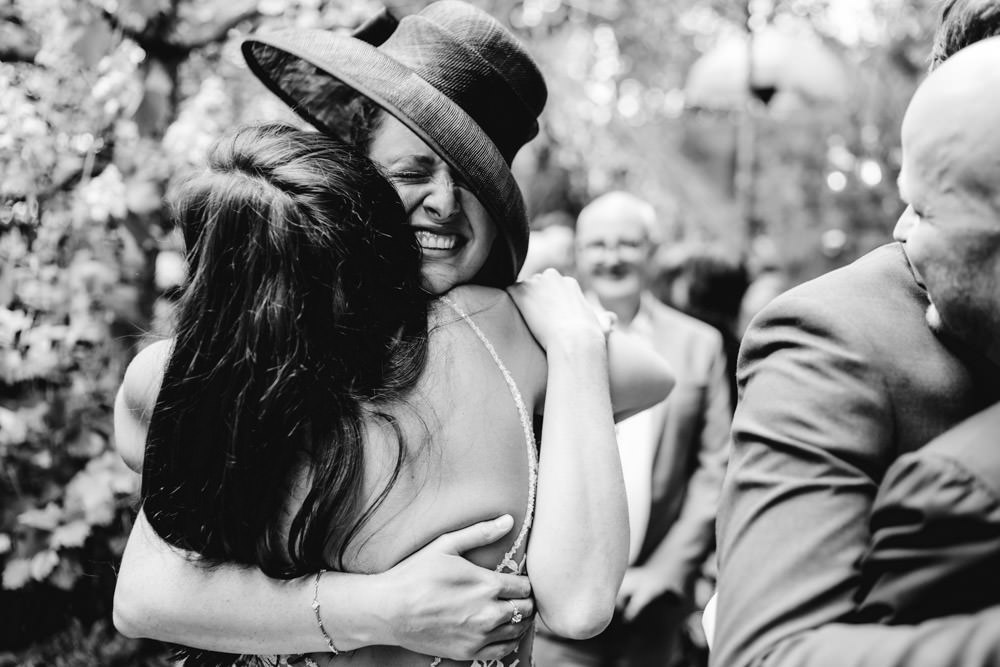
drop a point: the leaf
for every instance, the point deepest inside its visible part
(140, 11)
(13, 428)
(87, 444)
(72, 534)
(43, 519)
(43, 563)
(65, 574)
(17, 573)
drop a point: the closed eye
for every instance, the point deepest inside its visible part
(408, 175)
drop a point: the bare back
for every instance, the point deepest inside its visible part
(465, 447)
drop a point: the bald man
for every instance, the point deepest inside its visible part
(935, 548)
(673, 455)
(846, 375)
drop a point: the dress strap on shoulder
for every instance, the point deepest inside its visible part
(509, 564)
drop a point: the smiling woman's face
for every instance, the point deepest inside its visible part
(454, 230)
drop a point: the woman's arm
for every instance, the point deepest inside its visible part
(435, 602)
(135, 401)
(639, 377)
(578, 549)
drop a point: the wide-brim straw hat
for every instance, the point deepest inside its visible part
(451, 73)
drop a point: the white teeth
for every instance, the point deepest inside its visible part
(433, 241)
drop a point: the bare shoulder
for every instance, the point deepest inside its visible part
(495, 312)
(497, 316)
(476, 299)
(144, 376)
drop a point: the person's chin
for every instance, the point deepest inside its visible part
(440, 277)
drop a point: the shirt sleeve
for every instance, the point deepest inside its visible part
(935, 539)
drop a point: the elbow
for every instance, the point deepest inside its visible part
(141, 608)
(580, 618)
(127, 614)
(581, 624)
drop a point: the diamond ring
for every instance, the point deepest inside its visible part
(516, 617)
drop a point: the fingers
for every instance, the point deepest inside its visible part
(477, 535)
(525, 610)
(635, 605)
(514, 587)
(513, 619)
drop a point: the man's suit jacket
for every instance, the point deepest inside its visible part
(935, 547)
(693, 446)
(838, 377)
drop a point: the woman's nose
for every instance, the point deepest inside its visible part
(443, 201)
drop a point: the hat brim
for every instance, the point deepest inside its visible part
(430, 114)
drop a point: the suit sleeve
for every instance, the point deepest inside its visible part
(935, 529)
(683, 550)
(811, 436)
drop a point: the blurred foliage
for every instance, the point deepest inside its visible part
(104, 102)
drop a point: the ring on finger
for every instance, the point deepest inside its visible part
(516, 617)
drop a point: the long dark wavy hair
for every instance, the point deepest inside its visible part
(303, 316)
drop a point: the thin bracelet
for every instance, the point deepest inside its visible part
(319, 618)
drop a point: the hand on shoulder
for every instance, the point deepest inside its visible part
(555, 309)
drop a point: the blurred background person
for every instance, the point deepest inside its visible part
(550, 245)
(707, 281)
(673, 455)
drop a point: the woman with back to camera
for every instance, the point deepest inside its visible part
(433, 601)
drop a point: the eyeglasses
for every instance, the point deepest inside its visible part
(622, 246)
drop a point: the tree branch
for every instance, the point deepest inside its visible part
(116, 24)
(219, 32)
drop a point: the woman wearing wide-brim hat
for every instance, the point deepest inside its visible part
(443, 104)
(449, 79)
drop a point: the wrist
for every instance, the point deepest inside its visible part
(576, 343)
(351, 609)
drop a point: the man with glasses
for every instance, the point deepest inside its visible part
(673, 455)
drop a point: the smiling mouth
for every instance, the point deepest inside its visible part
(615, 272)
(436, 241)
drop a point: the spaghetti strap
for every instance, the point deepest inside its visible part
(508, 564)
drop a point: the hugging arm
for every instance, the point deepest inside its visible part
(434, 602)
(793, 519)
(579, 542)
